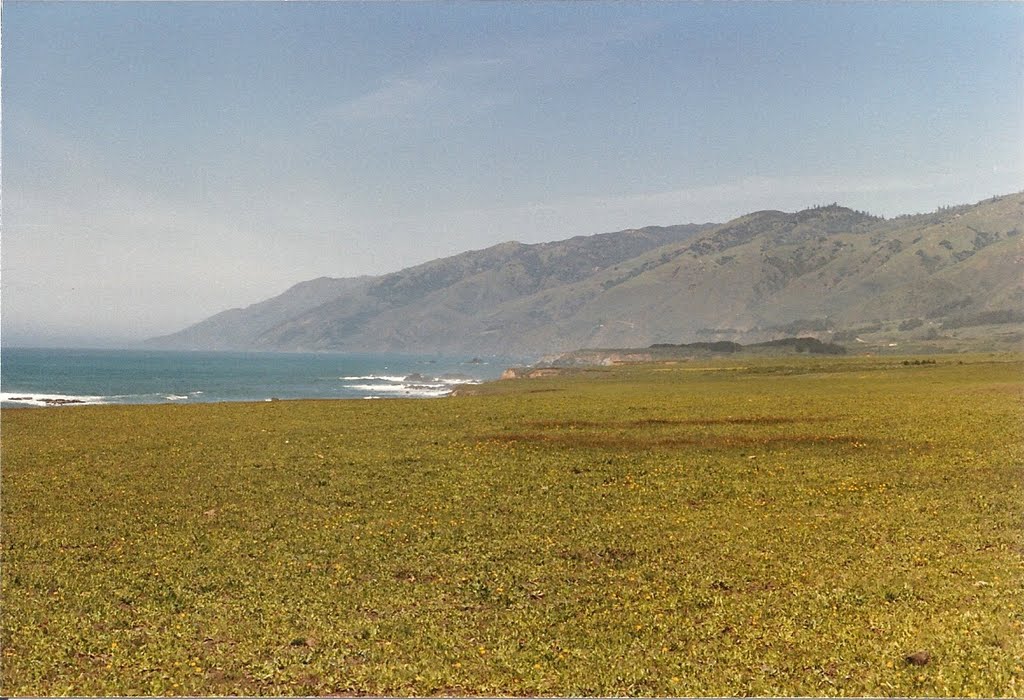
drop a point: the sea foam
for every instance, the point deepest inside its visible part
(34, 399)
(375, 378)
(413, 385)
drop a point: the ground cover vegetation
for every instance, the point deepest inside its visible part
(781, 526)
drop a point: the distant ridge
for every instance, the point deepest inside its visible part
(829, 272)
(331, 314)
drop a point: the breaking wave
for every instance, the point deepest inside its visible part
(414, 385)
(34, 399)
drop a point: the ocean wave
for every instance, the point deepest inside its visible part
(415, 385)
(415, 378)
(413, 389)
(34, 399)
(375, 378)
(61, 377)
(149, 397)
(456, 381)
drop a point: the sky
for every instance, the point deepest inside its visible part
(164, 161)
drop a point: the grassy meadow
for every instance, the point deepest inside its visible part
(787, 526)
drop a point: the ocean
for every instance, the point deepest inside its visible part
(65, 377)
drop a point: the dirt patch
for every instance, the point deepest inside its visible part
(659, 422)
(640, 442)
(603, 555)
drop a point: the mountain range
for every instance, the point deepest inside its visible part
(829, 271)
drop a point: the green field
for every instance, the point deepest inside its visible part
(732, 527)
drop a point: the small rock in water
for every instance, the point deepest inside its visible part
(917, 658)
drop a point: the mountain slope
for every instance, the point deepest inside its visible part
(828, 269)
(239, 329)
(418, 308)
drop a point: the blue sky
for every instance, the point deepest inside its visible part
(165, 161)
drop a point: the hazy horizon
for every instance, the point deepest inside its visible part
(164, 162)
